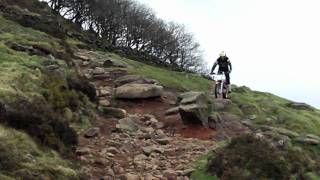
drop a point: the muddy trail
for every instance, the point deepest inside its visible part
(134, 139)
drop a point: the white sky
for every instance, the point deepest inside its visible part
(274, 45)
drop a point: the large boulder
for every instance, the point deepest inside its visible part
(194, 108)
(114, 63)
(138, 91)
(134, 79)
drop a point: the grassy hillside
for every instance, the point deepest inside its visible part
(180, 81)
(41, 103)
(48, 103)
(272, 117)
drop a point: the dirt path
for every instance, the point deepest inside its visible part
(160, 147)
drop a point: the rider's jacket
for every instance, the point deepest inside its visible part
(224, 64)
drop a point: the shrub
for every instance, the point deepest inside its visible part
(249, 157)
(40, 120)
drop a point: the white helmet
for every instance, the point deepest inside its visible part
(222, 54)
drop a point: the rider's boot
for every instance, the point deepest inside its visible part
(229, 88)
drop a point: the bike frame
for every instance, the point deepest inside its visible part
(220, 79)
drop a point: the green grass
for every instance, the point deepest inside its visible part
(172, 79)
(273, 110)
(13, 32)
(200, 171)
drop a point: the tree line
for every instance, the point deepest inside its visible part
(132, 26)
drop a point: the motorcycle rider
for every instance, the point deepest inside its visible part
(224, 66)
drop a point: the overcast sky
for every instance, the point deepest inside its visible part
(274, 45)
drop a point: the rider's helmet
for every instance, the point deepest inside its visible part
(222, 54)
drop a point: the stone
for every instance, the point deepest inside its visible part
(170, 175)
(134, 79)
(114, 63)
(98, 71)
(140, 157)
(215, 121)
(308, 140)
(159, 125)
(194, 108)
(110, 172)
(172, 111)
(164, 141)
(83, 151)
(138, 91)
(147, 150)
(105, 91)
(104, 102)
(300, 106)
(92, 132)
(220, 104)
(130, 176)
(113, 150)
(187, 172)
(126, 124)
(110, 112)
(148, 177)
(281, 131)
(118, 170)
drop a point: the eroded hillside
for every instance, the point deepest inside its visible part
(72, 111)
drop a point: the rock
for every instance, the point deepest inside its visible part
(249, 109)
(300, 106)
(111, 112)
(92, 132)
(281, 131)
(134, 79)
(220, 104)
(102, 76)
(110, 172)
(83, 151)
(147, 150)
(215, 121)
(164, 141)
(140, 157)
(118, 170)
(85, 63)
(105, 91)
(113, 150)
(307, 140)
(172, 111)
(104, 102)
(116, 73)
(126, 124)
(52, 67)
(170, 175)
(159, 125)
(187, 172)
(148, 130)
(138, 91)
(148, 177)
(98, 71)
(113, 63)
(130, 176)
(194, 108)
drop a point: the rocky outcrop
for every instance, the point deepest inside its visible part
(300, 106)
(113, 63)
(138, 91)
(194, 108)
(134, 79)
